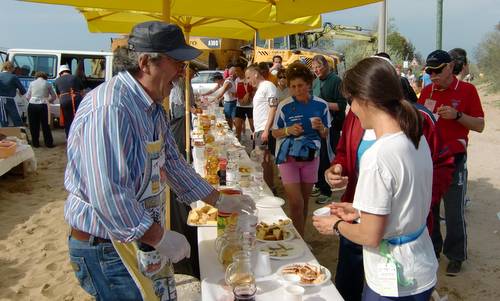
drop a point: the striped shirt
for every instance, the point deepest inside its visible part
(107, 156)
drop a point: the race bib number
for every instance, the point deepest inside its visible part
(388, 275)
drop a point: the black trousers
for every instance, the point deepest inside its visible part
(67, 110)
(324, 159)
(350, 275)
(38, 114)
(455, 243)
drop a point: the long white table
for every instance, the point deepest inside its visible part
(24, 154)
(213, 287)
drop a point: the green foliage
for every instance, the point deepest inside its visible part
(488, 56)
(357, 50)
(398, 47)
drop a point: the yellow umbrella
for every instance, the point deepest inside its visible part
(250, 10)
(120, 21)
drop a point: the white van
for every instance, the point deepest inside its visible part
(91, 66)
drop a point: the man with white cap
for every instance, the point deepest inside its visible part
(121, 157)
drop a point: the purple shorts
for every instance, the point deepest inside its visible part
(299, 172)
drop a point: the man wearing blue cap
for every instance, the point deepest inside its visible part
(457, 107)
(121, 157)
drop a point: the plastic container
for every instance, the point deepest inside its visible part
(7, 149)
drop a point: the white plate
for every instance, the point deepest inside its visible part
(208, 224)
(269, 202)
(289, 235)
(297, 249)
(327, 274)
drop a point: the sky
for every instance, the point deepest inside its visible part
(465, 22)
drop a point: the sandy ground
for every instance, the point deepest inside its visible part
(33, 252)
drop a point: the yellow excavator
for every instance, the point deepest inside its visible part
(304, 46)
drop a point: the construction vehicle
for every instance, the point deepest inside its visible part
(304, 46)
(218, 53)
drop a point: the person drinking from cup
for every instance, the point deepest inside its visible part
(301, 121)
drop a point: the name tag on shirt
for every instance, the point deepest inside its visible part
(430, 104)
(388, 276)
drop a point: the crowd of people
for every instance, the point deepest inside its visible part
(395, 155)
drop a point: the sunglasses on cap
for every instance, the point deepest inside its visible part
(437, 70)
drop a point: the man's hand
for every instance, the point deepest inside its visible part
(237, 203)
(344, 211)
(334, 178)
(296, 129)
(447, 112)
(174, 246)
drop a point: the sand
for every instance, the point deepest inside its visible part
(34, 261)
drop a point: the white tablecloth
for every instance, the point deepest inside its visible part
(23, 153)
(212, 272)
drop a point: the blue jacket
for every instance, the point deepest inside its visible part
(295, 147)
(9, 83)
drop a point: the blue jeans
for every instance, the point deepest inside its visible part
(370, 295)
(230, 109)
(100, 271)
(10, 108)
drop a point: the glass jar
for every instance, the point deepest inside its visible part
(230, 245)
(240, 270)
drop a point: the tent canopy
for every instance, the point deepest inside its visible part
(102, 20)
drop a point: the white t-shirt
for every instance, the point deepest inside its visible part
(265, 90)
(230, 94)
(395, 179)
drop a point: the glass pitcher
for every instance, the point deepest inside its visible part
(240, 271)
(229, 246)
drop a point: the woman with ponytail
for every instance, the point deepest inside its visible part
(393, 191)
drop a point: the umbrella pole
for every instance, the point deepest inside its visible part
(168, 225)
(165, 11)
(187, 88)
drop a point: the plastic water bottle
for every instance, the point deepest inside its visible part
(247, 228)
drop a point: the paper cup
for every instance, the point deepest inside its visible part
(313, 118)
(323, 211)
(294, 293)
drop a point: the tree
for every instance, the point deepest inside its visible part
(398, 47)
(488, 56)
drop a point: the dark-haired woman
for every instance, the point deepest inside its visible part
(393, 191)
(40, 93)
(301, 121)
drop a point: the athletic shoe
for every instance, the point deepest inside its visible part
(454, 267)
(315, 192)
(323, 199)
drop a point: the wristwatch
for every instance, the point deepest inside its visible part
(459, 115)
(336, 226)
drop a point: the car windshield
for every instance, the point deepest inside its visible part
(203, 78)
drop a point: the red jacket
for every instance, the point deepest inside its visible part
(442, 158)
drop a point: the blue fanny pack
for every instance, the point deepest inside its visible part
(404, 239)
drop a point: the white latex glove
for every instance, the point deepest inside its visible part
(236, 203)
(174, 246)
